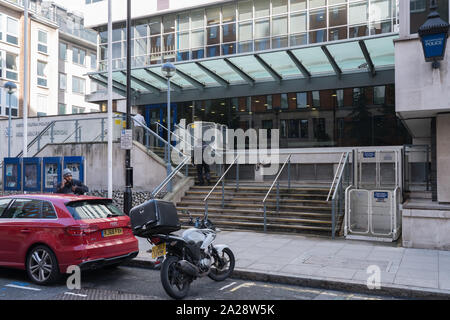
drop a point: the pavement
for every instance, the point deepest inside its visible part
(338, 264)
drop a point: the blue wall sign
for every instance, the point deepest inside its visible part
(434, 46)
(381, 196)
(369, 154)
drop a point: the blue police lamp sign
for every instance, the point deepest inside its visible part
(434, 46)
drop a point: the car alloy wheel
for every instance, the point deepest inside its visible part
(42, 266)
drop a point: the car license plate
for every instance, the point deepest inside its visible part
(112, 232)
(159, 250)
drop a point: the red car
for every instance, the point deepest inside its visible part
(45, 234)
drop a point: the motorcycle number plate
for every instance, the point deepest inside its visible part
(159, 250)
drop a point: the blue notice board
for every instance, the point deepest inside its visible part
(32, 174)
(76, 165)
(52, 173)
(12, 172)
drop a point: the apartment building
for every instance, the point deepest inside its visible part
(77, 54)
(61, 53)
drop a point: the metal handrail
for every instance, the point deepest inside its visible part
(192, 137)
(32, 142)
(288, 159)
(221, 178)
(217, 183)
(172, 133)
(169, 178)
(276, 179)
(157, 136)
(337, 174)
(76, 129)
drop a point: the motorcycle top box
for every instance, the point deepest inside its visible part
(154, 217)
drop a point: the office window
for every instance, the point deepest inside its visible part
(293, 128)
(76, 109)
(11, 66)
(14, 103)
(12, 31)
(79, 55)
(302, 100)
(283, 128)
(319, 128)
(379, 95)
(62, 108)
(284, 101)
(42, 103)
(1, 27)
(78, 85)
(316, 99)
(93, 61)
(62, 81)
(304, 129)
(42, 41)
(63, 51)
(42, 74)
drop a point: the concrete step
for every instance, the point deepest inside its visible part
(289, 221)
(275, 227)
(234, 204)
(257, 195)
(326, 214)
(299, 215)
(265, 189)
(257, 198)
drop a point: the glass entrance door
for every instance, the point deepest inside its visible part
(156, 117)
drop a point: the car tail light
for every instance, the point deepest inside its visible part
(80, 230)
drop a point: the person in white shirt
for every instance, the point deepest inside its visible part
(139, 123)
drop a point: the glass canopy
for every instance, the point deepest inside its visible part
(331, 58)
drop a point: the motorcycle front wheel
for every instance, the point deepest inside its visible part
(174, 281)
(223, 265)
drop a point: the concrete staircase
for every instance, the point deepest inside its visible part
(301, 209)
(192, 171)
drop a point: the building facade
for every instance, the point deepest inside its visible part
(77, 54)
(61, 52)
(210, 32)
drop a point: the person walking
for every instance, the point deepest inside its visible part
(138, 132)
(70, 185)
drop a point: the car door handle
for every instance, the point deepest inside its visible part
(25, 230)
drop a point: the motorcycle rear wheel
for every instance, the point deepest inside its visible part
(174, 281)
(223, 268)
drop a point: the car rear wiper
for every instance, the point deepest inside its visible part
(111, 215)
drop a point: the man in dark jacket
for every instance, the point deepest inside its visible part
(71, 186)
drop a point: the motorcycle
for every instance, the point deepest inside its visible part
(191, 256)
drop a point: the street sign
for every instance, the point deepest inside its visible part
(126, 139)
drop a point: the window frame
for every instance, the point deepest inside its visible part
(43, 44)
(43, 77)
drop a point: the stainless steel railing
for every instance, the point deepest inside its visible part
(337, 205)
(223, 187)
(288, 160)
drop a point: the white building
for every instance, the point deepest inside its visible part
(61, 53)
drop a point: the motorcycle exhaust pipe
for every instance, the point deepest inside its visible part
(188, 268)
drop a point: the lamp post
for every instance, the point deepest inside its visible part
(433, 35)
(168, 71)
(128, 194)
(12, 88)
